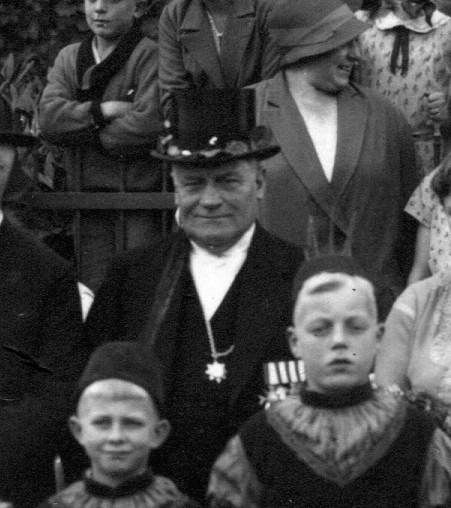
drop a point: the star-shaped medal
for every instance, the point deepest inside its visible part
(216, 371)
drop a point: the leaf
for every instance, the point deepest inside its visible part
(8, 67)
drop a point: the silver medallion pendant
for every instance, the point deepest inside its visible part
(216, 371)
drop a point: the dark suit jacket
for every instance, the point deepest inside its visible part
(188, 55)
(123, 302)
(375, 173)
(39, 314)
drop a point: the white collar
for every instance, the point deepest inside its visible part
(213, 275)
(242, 245)
(388, 19)
(95, 52)
(1, 217)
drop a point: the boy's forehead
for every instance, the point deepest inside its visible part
(115, 389)
(322, 291)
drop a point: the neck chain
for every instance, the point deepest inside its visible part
(216, 371)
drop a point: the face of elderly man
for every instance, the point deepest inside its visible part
(218, 205)
(7, 154)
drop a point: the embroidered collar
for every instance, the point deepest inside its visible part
(387, 20)
(127, 488)
(351, 398)
(339, 444)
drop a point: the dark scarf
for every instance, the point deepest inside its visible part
(401, 43)
(352, 397)
(125, 489)
(103, 72)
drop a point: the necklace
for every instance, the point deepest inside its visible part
(216, 371)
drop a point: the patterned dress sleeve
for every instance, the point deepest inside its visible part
(233, 482)
(422, 202)
(435, 488)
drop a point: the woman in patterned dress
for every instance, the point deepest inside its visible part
(406, 56)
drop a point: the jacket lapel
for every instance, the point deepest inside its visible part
(257, 320)
(241, 25)
(290, 132)
(352, 123)
(196, 36)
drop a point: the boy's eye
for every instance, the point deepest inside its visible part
(101, 422)
(131, 422)
(319, 330)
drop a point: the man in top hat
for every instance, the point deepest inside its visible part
(213, 299)
(41, 349)
(347, 161)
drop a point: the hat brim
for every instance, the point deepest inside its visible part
(344, 34)
(201, 161)
(11, 139)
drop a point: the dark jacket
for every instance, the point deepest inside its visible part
(188, 55)
(40, 315)
(374, 174)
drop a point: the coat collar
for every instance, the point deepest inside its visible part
(196, 35)
(290, 132)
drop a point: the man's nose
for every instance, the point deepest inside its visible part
(100, 6)
(211, 197)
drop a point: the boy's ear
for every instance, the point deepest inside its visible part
(75, 427)
(294, 342)
(140, 8)
(161, 432)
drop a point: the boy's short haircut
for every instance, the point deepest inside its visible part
(127, 361)
(338, 263)
(326, 282)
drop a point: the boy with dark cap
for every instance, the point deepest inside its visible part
(338, 442)
(119, 422)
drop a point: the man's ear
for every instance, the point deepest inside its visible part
(75, 427)
(160, 433)
(261, 181)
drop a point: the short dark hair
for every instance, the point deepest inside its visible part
(441, 181)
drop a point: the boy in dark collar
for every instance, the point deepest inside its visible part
(339, 442)
(119, 422)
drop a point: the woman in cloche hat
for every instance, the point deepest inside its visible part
(345, 151)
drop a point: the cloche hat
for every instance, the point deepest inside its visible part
(212, 127)
(306, 28)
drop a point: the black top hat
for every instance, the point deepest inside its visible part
(8, 135)
(211, 127)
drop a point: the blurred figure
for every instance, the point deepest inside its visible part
(42, 351)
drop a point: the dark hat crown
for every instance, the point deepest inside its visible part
(210, 127)
(128, 361)
(306, 28)
(210, 118)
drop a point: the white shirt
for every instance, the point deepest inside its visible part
(213, 275)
